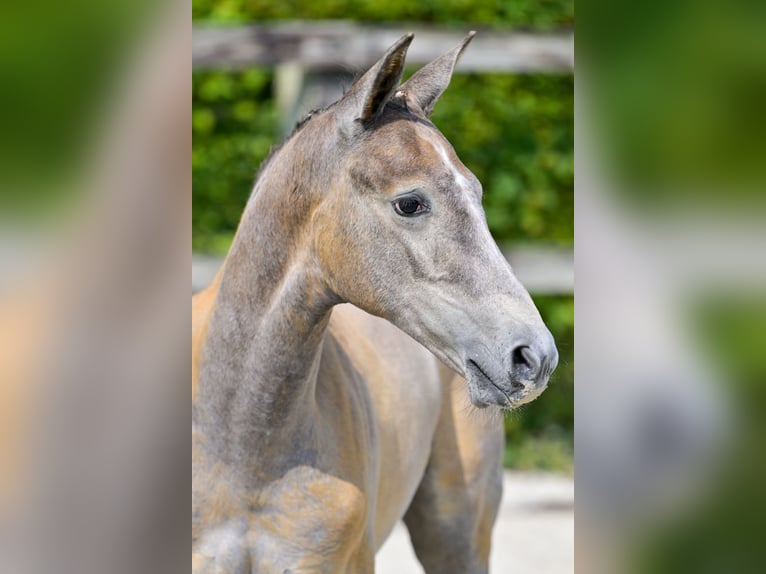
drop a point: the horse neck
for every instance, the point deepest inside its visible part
(264, 339)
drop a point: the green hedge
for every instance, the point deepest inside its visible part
(538, 14)
(234, 124)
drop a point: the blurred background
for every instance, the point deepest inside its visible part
(95, 203)
(671, 287)
(509, 112)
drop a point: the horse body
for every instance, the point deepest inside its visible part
(316, 425)
(380, 398)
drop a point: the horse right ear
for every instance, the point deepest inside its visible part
(368, 96)
(427, 84)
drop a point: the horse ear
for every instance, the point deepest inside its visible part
(427, 85)
(369, 94)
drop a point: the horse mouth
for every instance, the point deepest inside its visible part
(482, 390)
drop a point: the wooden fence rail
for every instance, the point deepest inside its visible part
(355, 47)
(315, 62)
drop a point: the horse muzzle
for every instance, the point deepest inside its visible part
(511, 379)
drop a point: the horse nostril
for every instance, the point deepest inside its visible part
(523, 356)
(525, 362)
(519, 357)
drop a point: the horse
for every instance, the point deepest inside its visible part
(362, 294)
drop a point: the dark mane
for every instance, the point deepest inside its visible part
(299, 125)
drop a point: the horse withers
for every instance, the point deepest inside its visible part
(321, 415)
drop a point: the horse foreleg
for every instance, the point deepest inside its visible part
(451, 516)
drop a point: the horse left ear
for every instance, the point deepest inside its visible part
(427, 85)
(369, 94)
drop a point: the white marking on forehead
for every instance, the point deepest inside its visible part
(473, 205)
(461, 180)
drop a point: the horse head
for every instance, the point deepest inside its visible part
(396, 227)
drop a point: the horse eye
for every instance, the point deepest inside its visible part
(409, 206)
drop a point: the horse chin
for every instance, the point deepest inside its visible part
(483, 394)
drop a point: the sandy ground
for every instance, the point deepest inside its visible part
(534, 533)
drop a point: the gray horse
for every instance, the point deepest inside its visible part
(321, 415)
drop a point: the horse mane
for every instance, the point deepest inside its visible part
(299, 125)
(274, 150)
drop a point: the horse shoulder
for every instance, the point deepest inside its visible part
(308, 520)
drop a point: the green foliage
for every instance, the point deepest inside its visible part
(234, 125)
(550, 451)
(539, 14)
